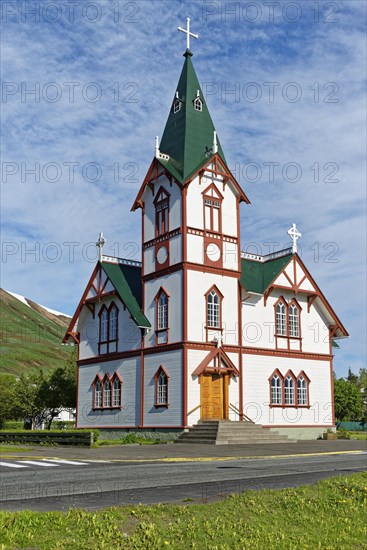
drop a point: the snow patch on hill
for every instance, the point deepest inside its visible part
(24, 301)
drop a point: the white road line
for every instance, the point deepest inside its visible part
(61, 461)
(10, 465)
(37, 463)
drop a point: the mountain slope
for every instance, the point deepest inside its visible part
(30, 335)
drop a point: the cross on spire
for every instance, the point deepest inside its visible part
(99, 244)
(188, 33)
(294, 235)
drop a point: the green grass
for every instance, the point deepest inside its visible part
(11, 449)
(362, 436)
(28, 339)
(328, 515)
(128, 440)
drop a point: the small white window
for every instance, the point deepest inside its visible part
(198, 104)
(213, 312)
(162, 389)
(113, 322)
(302, 391)
(289, 390)
(98, 394)
(116, 392)
(276, 390)
(107, 393)
(104, 326)
(281, 322)
(163, 311)
(293, 321)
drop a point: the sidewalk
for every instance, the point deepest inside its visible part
(132, 453)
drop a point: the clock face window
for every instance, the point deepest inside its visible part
(213, 252)
(162, 255)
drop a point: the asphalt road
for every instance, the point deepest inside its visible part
(46, 484)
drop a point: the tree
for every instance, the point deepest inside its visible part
(352, 378)
(9, 404)
(58, 390)
(30, 402)
(348, 400)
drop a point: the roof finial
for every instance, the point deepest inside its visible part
(99, 244)
(157, 153)
(188, 33)
(294, 235)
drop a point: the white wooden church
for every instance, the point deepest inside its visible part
(198, 330)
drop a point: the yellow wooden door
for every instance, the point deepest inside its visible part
(212, 397)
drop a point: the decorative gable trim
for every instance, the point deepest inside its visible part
(222, 358)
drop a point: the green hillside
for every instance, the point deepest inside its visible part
(30, 337)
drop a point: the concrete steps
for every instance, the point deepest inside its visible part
(224, 432)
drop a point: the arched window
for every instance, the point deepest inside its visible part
(103, 336)
(113, 322)
(281, 319)
(276, 390)
(161, 379)
(116, 392)
(213, 310)
(162, 397)
(289, 397)
(161, 203)
(163, 311)
(302, 391)
(98, 393)
(198, 104)
(106, 392)
(293, 321)
(212, 209)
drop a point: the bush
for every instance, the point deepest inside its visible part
(13, 425)
(65, 425)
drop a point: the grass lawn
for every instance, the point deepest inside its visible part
(328, 515)
(11, 449)
(358, 435)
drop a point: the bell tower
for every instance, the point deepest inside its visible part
(190, 204)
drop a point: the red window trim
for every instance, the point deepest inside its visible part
(157, 331)
(109, 340)
(221, 297)
(157, 203)
(295, 405)
(287, 324)
(111, 380)
(220, 200)
(156, 377)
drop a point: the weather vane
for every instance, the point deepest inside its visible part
(294, 235)
(188, 33)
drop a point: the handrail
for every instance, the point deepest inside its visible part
(193, 410)
(234, 408)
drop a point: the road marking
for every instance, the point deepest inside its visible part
(37, 463)
(62, 461)
(10, 465)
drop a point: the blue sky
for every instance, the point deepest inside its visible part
(286, 91)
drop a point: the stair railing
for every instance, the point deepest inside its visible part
(194, 409)
(241, 415)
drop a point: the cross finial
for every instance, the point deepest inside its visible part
(188, 33)
(99, 244)
(294, 235)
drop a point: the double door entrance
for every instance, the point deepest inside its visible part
(214, 396)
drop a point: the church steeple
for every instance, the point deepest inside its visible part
(189, 137)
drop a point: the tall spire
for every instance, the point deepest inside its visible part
(189, 138)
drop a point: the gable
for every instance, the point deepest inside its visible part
(113, 278)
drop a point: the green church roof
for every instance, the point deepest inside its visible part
(188, 134)
(257, 276)
(127, 281)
